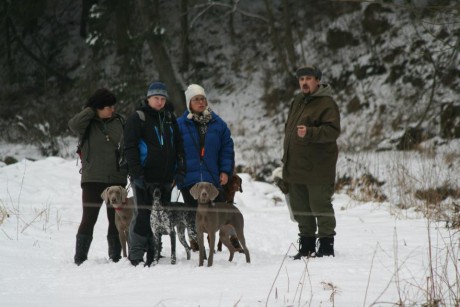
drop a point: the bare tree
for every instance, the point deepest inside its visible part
(185, 61)
(288, 37)
(277, 42)
(153, 35)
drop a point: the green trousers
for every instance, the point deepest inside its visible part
(311, 205)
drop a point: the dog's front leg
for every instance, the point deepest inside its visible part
(172, 235)
(123, 241)
(181, 235)
(202, 252)
(212, 243)
(156, 248)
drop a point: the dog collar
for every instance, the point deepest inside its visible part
(120, 208)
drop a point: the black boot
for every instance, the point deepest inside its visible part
(114, 247)
(307, 247)
(150, 257)
(81, 248)
(137, 247)
(326, 247)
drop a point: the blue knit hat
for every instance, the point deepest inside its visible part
(157, 89)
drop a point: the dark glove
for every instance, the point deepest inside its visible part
(283, 185)
(139, 183)
(180, 178)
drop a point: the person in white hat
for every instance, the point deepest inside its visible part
(208, 145)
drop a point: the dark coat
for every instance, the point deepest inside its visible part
(219, 155)
(312, 159)
(99, 152)
(153, 148)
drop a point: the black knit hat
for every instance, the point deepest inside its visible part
(101, 98)
(309, 70)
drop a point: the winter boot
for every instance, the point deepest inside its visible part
(326, 247)
(81, 248)
(137, 248)
(114, 247)
(150, 258)
(307, 247)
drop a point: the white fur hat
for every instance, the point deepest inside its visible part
(192, 91)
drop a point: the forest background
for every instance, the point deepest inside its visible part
(393, 65)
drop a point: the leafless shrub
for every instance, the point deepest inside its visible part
(364, 188)
(437, 195)
(3, 212)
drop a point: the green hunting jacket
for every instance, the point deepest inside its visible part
(99, 152)
(312, 159)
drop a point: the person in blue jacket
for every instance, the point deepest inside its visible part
(208, 145)
(155, 155)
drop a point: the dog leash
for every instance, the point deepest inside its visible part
(128, 187)
(197, 147)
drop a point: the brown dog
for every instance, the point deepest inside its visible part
(117, 197)
(211, 217)
(234, 184)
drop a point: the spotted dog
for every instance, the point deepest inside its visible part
(164, 220)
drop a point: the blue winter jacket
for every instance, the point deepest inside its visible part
(219, 154)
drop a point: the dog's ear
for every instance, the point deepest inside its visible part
(105, 195)
(123, 194)
(213, 192)
(194, 191)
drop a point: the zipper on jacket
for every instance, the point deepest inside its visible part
(160, 136)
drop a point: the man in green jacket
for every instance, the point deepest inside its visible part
(309, 162)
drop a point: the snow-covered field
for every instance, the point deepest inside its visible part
(382, 258)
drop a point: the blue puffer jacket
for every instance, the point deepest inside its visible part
(219, 154)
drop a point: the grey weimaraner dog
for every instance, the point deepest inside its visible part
(117, 196)
(211, 217)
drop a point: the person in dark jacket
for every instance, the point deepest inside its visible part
(99, 129)
(309, 162)
(208, 145)
(154, 153)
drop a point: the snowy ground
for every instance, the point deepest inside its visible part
(382, 257)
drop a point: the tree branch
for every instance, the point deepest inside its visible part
(21, 43)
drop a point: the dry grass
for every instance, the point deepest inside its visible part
(3, 212)
(365, 188)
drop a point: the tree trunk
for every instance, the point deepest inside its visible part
(288, 37)
(122, 22)
(185, 61)
(154, 37)
(276, 41)
(85, 7)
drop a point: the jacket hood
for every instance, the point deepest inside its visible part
(323, 90)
